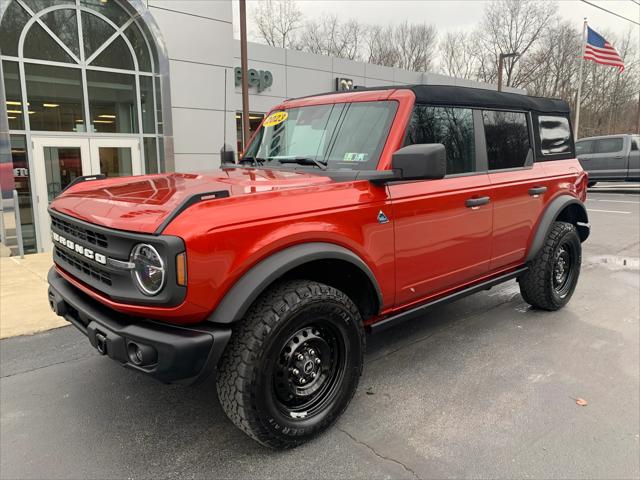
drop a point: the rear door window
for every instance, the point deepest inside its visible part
(609, 145)
(507, 136)
(555, 135)
(584, 146)
(452, 127)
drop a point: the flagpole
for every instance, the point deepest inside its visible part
(584, 43)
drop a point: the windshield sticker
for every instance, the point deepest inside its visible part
(355, 157)
(275, 118)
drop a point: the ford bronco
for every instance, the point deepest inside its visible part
(349, 212)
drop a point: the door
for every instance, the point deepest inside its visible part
(60, 160)
(519, 185)
(605, 160)
(442, 227)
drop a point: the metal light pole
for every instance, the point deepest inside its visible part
(245, 73)
(501, 58)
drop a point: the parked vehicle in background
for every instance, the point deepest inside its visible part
(348, 212)
(610, 158)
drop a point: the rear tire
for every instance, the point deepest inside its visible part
(553, 274)
(293, 364)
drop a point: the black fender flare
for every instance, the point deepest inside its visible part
(254, 282)
(551, 214)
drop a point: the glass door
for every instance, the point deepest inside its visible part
(60, 160)
(116, 157)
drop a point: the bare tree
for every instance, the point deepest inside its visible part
(381, 47)
(330, 36)
(408, 46)
(511, 26)
(416, 45)
(277, 22)
(459, 55)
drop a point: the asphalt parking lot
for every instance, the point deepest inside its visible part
(482, 388)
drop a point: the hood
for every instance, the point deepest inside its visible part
(142, 204)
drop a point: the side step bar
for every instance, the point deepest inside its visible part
(419, 310)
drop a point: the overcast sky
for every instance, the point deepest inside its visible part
(455, 14)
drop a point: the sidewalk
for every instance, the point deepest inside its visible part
(24, 308)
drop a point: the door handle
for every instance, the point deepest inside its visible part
(618, 157)
(535, 191)
(476, 202)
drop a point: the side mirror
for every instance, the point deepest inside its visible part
(227, 155)
(421, 161)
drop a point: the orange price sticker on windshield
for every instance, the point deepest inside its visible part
(275, 118)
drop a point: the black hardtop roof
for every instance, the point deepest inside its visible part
(452, 95)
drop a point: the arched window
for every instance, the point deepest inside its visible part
(84, 66)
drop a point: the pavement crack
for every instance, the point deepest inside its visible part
(379, 455)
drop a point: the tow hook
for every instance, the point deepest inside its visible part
(101, 343)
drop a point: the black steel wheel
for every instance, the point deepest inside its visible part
(553, 274)
(293, 365)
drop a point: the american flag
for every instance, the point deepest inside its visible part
(601, 51)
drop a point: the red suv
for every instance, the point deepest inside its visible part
(349, 212)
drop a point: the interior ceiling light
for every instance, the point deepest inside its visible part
(106, 116)
(103, 121)
(30, 112)
(80, 121)
(14, 111)
(11, 118)
(11, 102)
(50, 105)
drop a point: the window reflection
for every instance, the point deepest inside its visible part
(150, 155)
(22, 183)
(140, 47)
(507, 136)
(112, 102)
(39, 44)
(13, 21)
(63, 23)
(55, 98)
(115, 162)
(146, 103)
(116, 55)
(13, 95)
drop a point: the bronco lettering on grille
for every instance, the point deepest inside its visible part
(82, 250)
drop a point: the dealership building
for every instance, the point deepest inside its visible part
(127, 87)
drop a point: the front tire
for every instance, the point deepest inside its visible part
(553, 274)
(293, 364)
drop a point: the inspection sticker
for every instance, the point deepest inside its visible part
(355, 157)
(275, 119)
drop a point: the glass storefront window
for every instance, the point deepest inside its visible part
(140, 47)
(158, 106)
(63, 23)
(95, 32)
(14, 95)
(146, 103)
(22, 183)
(150, 155)
(39, 44)
(13, 21)
(108, 8)
(112, 102)
(116, 55)
(55, 98)
(115, 162)
(254, 122)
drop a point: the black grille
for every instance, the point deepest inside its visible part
(80, 265)
(84, 234)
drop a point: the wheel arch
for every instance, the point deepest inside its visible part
(323, 262)
(564, 208)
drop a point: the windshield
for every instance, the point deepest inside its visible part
(338, 136)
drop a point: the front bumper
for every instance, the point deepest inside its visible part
(165, 352)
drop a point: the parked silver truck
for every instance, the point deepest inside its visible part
(610, 158)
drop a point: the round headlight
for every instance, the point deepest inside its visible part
(148, 270)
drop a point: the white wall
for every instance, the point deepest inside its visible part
(199, 41)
